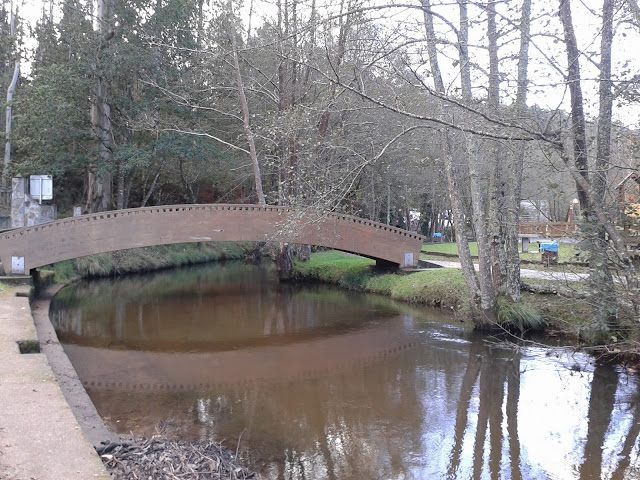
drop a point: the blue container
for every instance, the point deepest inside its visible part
(549, 247)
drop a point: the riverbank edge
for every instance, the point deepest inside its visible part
(150, 259)
(74, 392)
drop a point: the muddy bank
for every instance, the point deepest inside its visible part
(125, 457)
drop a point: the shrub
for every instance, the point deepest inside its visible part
(519, 316)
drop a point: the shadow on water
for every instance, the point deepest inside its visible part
(324, 384)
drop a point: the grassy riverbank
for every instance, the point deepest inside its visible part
(148, 259)
(445, 288)
(441, 287)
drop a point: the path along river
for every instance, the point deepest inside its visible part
(318, 383)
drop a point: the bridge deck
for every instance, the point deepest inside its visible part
(30, 247)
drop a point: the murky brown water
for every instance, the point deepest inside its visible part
(325, 384)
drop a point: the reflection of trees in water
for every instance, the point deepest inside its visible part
(492, 374)
(602, 403)
(513, 399)
(374, 420)
(622, 470)
(493, 378)
(342, 426)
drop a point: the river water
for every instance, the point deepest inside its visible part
(317, 383)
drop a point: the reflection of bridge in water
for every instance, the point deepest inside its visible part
(100, 368)
(30, 247)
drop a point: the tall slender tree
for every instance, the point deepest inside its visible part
(100, 171)
(10, 92)
(590, 188)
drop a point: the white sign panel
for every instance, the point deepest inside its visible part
(17, 265)
(41, 187)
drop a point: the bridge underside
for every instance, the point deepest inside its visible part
(24, 249)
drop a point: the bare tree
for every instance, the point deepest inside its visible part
(10, 92)
(591, 187)
(457, 207)
(245, 108)
(514, 183)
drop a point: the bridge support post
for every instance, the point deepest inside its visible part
(386, 266)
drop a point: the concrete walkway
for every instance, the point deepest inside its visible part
(40, 438)
(524, 273)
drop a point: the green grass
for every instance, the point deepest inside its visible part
(441, 287)
(445, 287)
(449, 248)
(566, 251)
(521, 317)
(335, 267)
(438, 287)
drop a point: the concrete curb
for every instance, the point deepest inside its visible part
(40, 438)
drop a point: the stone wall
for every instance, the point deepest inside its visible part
(26, 211)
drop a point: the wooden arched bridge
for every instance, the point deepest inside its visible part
(26, 248)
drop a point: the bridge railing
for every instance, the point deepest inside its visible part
(300, 213)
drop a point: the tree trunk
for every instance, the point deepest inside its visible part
(488, 297)
(7, 145)
(463, 48)
(575, 89)
(457, 206)
(599, 266)
(591, 190)
(514, 182)
(245, 109)
(10, 91)
(121, 190)
(152, 188)
(496, 165)
(99, 191)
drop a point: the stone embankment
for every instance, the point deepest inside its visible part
(39, 436)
